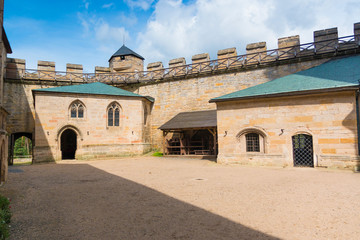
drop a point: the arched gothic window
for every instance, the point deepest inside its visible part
(113, 115)
(77, 109)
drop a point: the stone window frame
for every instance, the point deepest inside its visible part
(263, 138)
(77, 104)
(111, 108)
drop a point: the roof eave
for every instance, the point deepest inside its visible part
(126, 55)
(180, 129)
(285, 94)
(150, 99)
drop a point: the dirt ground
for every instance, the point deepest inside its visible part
(173, 198)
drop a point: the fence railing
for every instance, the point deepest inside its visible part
(212, 66)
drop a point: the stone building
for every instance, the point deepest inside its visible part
(310, 118)
(88, 121)
(4, 50)
(291, 97)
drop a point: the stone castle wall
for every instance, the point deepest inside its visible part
(184, 87)
(193, 94)
(19, 103)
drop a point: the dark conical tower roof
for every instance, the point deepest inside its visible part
(125, 51)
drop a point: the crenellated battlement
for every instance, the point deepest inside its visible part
(326, 43)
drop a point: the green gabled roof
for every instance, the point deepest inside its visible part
(91, 88)
(332, 75)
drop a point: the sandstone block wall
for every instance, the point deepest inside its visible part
(189, 90)
(128, 64)
(329, 118)
(3, 146)
(20, 104)
(193, 94)
(94, 137)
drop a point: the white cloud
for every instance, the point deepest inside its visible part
(109, 5)
(182, 30)
(106, 38)
(86, 4)
(143, 4)
(84, 23)
(110, 38)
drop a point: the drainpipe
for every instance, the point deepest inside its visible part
(358, 120)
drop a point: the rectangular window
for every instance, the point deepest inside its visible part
(252, 142)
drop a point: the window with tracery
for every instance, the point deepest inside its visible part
(77, 110)
(113, 114)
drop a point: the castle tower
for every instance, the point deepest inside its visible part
(126, 60)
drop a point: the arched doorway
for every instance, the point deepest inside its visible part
(68, 144)
(20, 147)
(303, 150)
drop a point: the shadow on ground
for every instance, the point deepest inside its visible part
(78, 201)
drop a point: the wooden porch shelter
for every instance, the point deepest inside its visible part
(191, 133)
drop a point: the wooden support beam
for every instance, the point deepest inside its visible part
(213, 132)
(164, 142)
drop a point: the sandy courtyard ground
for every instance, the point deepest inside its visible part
(172, 198)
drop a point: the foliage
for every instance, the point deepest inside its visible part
(157, 154)
(22, 146)
(5, 216)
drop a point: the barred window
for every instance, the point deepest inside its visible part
(113, 114)
(77, 110)
(252, 142)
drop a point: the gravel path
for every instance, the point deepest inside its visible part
(173, 198)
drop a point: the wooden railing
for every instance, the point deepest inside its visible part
(319, 48)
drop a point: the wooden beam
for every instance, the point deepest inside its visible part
(164, 142)
(212, 131)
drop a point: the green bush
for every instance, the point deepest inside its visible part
(157, 154)
(5, 217)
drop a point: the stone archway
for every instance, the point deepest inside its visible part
(68, 144)
(12, 140)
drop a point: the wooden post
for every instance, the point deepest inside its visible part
(213, 132)
(182, 149)
(165, 143)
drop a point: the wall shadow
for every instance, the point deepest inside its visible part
(78, 201)
(19, 103)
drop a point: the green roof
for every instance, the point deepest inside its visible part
(332, 75)
(92, 88)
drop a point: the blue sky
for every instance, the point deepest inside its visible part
(88, 32)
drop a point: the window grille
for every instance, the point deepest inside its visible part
(303, 150)
(252, 142)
